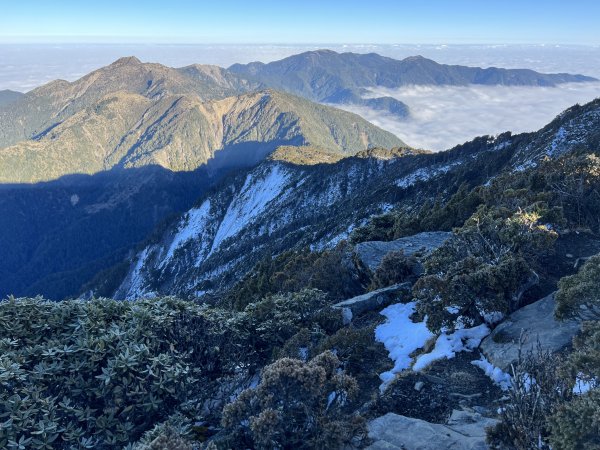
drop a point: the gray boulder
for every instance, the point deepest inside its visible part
(529, 324)
(373, 301)
(464, 430)
(371, 253)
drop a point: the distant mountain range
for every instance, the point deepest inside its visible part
(89, 168)
(344, 78)
(131, 114)
(7, 97)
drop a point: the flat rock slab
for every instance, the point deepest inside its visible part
(464, 430)
(531, 323)
(373, 301)
(371, 253)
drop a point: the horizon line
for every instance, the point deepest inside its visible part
(35, 41)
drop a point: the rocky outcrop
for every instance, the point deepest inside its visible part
(464, 430)
(371, 253)
(529, 325)
(373, 301)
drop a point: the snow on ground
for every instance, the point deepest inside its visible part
(583, 384)
(250, 202)
(500, 378)
(136, 285)
(190, 227)
(401, 337)
(448, 345)
(559, 139)
(424, 174)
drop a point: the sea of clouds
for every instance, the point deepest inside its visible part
(445, 116)
(441, 117)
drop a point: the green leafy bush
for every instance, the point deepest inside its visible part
(395, 267)
(584, 362)
(91, 374)
(330, 271)
(275, 319)
(543, 410)
(483, 270)
(576, 424)
(538, 387)
(578, 294)
(297, 405)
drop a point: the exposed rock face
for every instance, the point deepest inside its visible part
(372, 301)
(464, 430)
(371, 253)
(531, 323)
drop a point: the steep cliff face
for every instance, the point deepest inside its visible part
(281, 205)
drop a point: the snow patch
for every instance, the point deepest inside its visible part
(584, 384)
(559, 139)
(448, 345)
(136, 289)
(500, 378)
(401, 337)
(424, 174)
(253, 198)
(190, 227)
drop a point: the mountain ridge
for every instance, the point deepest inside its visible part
(318, 205)
(344, 78)
(132, 113)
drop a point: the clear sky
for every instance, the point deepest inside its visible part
(301, 21)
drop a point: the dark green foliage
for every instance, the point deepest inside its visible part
(275, 319)
(297, 405)
(430, 216)
(330, 271)
(103, 372)
(362, 357)
(537, 389)
(574, 181)
(576, 425)
(92, 374)
(579, 295)
(165, 437)
(584, 362)
(495, 256)
(395, 268)
(483, 270)
(541, 406)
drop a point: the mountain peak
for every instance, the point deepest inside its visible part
(127, 61)
(416, 58)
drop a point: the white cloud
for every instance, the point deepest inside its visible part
(445, 116)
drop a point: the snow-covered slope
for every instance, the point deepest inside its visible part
(274, 207)
(280, 205)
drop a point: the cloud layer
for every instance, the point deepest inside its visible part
(442, 117)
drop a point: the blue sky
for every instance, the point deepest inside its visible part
(304, 21)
